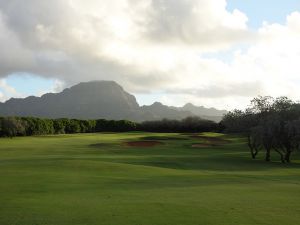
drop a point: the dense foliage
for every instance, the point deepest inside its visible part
(270, 124)
(189, 124)
(28, 126)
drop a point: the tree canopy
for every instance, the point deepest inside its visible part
(269, 124)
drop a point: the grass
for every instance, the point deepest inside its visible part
(91, 179)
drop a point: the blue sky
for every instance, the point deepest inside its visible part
(273, 11)
(257, 12)
(29, 84)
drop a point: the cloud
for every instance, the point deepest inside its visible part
(151, 46)
(6, 91)
(56, 87)
(2, 98)
(77, 40)
(229, 90)
(274, 58)
(202, 23)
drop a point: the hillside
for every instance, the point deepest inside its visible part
(99, 99)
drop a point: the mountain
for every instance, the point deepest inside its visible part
(99, 99)
(158, 111)
(201, 111)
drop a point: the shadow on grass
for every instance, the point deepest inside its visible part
(222, 153)
(161, 138)
(231, 162)
(100, 145)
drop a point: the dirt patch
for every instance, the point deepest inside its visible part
(142, 143)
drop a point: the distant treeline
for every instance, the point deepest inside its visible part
(28, 126)
(269, 124)
(189, 124)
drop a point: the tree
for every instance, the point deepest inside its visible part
(12, 126)
(269, 124)
(254, 139)
(261, 105)
(73, 126)
(289, 138)
(1, 129)
(59, 126)
(189, 124)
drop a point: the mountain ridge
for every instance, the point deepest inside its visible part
(100, 99)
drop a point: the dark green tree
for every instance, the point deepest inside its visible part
(12, 126)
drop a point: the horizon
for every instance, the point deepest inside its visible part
(149, 112)
(213, 53)
(53, 92)
(187, 103)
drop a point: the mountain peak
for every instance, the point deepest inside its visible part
(189, 105)
(97, 84)
(86, 100)
(99, 99)
(157, 104)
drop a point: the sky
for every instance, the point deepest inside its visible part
(214, 53)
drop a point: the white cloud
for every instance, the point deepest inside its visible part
(274, 58)
(152, 46)
(56, 87)
(6, 91)
(2, 97)
(97, 38)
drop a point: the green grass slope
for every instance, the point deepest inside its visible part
(91, 179)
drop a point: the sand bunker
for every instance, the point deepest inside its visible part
(142, 143)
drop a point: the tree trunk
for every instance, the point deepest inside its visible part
(288, 156)
(253, 153)
(250, 146)
(282, 158)
(256, 152)
(268, 155)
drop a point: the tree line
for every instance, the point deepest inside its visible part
(189, 124)
(29, 126)
(269, 125)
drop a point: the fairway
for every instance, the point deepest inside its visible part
(144, 179)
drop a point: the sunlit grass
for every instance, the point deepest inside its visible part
(96, 179)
